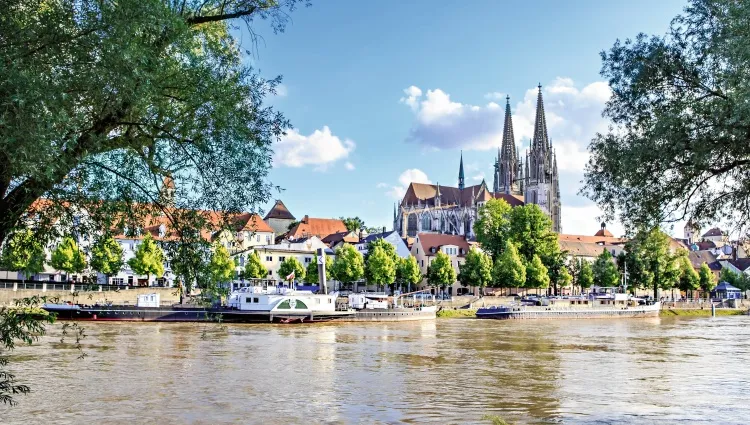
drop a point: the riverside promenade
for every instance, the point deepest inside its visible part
(82, 293)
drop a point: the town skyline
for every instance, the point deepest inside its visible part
(363, 134)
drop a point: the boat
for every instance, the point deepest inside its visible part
(601, 304)
(380, 307)
(249, 304)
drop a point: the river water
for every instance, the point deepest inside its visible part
(675, 370)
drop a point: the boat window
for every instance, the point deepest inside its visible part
(329, 301)
(317, 301)
(255, 300)
(248, 299)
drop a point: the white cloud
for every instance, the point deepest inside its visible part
(412, 95)
(584, 220)
(349, 166)
(321, 148)
(478, 177)
(495, 95)
(381, 185)
(412, 175)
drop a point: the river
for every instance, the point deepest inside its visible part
(660, 370)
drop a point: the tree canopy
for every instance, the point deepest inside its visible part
(380, 266)
(221, 267)
(706, 279)
(408, 272)
(492, 225)
(536, 274)
(353, 224)
(476, 270)
(149, 258)
(441, 272)
(605, 271)
(289, 265)
(509, 270)
(349, 265)
(650, 262)
(23, 252)
(531, 230)
(106, 256)
(390, 252)
(585, 275)
(677, 147)
(254, 268)
(109, 129)
(311, 274)
(68, 257)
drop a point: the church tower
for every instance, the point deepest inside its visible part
(542, 183)
(461, 173)
(507, 166)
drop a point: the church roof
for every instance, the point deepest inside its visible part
(424, 193)
(279, 211)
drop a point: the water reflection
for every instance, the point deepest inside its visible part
(447, 371)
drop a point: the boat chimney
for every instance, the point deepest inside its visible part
(321, 259)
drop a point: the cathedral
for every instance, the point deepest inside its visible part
(428, 208)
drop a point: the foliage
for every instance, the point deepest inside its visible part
(565, 278)
(68, 257)
(408, 272)
(106, 256)
(254, 268)
(536, 274)
(23, 252)
(441, 272)
(605, 271)
(221, 267)
(349, 265)
(556, 268)
(650, 263)
(353, 224)
(688, 280)
(678, 145)
(476, 270)
(492, 225)
(738, 280)
(292, 225)
(22, 323)
(133, 91)
(585, 275)
(531, 231)
(149, 258)
(387, 247)
(380, 267)
(509, 270)
(706, 279)
(289, 265)
(311, 275)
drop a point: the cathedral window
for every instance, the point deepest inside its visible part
(426, 221)
(411, 226)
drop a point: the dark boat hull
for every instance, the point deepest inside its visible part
(174, 314)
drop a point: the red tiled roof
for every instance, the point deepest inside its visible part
(280, 211)
(436, 240)
(604, 232)
(609, 240)
(320, 227)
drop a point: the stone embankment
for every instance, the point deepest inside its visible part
(81, 294)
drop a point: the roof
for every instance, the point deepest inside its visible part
(216, 220)
(697, 258)
(584, 249)
(610, 240)
(320, 227)
(348, 237)
(713, 232)
(423, 193)
(279, 211)
(741, 263)
(436, 240)
(376, 236)
(725, 286)
(604, 232)
(704, 246)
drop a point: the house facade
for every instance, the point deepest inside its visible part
(427, 245)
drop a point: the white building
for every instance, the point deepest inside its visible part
(427, 245)
(391, 237)
(304, 250)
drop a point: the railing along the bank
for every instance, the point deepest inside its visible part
(44, 286)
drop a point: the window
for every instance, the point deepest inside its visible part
(242, 260)
(118, 281)
(307, 260)
(281, 259)
(422, 263)
(130, 280)
(268, 239)
(248, 299)
(317, 300)
(270, 273)
(269, 258)
(257, 238)
(255, 299)
(417, 250)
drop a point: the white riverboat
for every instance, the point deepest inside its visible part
(595, 307)
(281, 304)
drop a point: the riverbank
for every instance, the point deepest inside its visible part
(706, 312)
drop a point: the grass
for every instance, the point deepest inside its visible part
(456, 314)
(706, 312)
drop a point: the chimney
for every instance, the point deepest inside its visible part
(305, 219)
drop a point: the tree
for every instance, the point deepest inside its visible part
(677, 147)
(387, 247)
(348, 267)
(148, 260)
(585, 275)
(189, 107)
(254, 268)
(509, 270)
(536, 274)
(289, 265)
(380, 267)
(605, 271)
(408, 272)
(689, 280)
(311, 275)
(557, 269)
(476, 270)
(531, 231)
(706, 279)
(652, 263)
(222, 266)
(565, 279)
(739, 280)
(492, 226)
(441, 272)
(68, 257)
(106, 256)
(353, 224)
(24, 253)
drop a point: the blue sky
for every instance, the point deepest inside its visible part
(350, 67)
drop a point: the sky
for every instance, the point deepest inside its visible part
(384, 93)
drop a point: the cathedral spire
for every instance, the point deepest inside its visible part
(461, 172)
(509, 141)
(540, 140)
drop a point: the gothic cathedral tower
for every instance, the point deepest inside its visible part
(508, 175)
(542, 182)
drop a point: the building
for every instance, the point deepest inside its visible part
(691, 232)
(279, 218)
(391, 237)
(427, 245)
(453, 210)
(589, 247)
(319, 227)
(697, 258)
(716, 236)
(303, 249)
